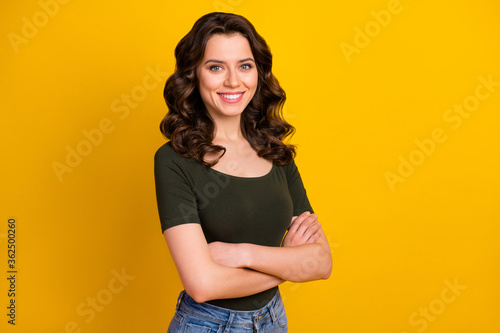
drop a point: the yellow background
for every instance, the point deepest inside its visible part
(396, 248)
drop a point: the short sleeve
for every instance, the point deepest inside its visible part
(297, 191)
(174, 194)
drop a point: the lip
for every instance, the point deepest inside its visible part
(231, 101)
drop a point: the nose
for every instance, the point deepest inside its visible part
(232, 79)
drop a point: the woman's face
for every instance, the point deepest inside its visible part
(227, 75)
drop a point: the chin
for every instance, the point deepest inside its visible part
(231, 110)
(231, 113)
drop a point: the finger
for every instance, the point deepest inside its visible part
(311, 235)
(298, 221)
(313, 228)
(306, 224)
(314, 238)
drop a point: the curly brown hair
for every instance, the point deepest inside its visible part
(189, 126)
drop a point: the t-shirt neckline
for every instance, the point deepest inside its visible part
(245, 178)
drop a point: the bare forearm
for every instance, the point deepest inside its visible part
(202, 277)
(304, 256)
(297, 264)
(228, 282)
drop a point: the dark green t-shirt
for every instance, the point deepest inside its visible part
(230, 209)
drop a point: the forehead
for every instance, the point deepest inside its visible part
(228, 47)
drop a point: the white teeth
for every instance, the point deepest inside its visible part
(231, 96)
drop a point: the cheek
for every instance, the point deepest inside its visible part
(208, 83)
(251, 81)
(204, 86)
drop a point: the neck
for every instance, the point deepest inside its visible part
(228, 129)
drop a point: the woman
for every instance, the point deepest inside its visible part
(227, 186)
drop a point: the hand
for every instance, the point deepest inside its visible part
(305, 229)
(227, 254)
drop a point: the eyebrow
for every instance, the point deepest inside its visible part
(221, 62)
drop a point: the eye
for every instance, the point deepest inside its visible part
(215, 68)
(246, 66)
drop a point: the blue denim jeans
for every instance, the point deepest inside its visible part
(193, 317)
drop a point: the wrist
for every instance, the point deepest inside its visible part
(246, 255)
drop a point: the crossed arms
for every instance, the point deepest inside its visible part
(222, 270)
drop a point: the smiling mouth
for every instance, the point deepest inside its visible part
(231, 98)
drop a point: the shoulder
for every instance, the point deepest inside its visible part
(290, 171)
(167, 155)
(290, 167)
(166, 158)
(166, 152)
